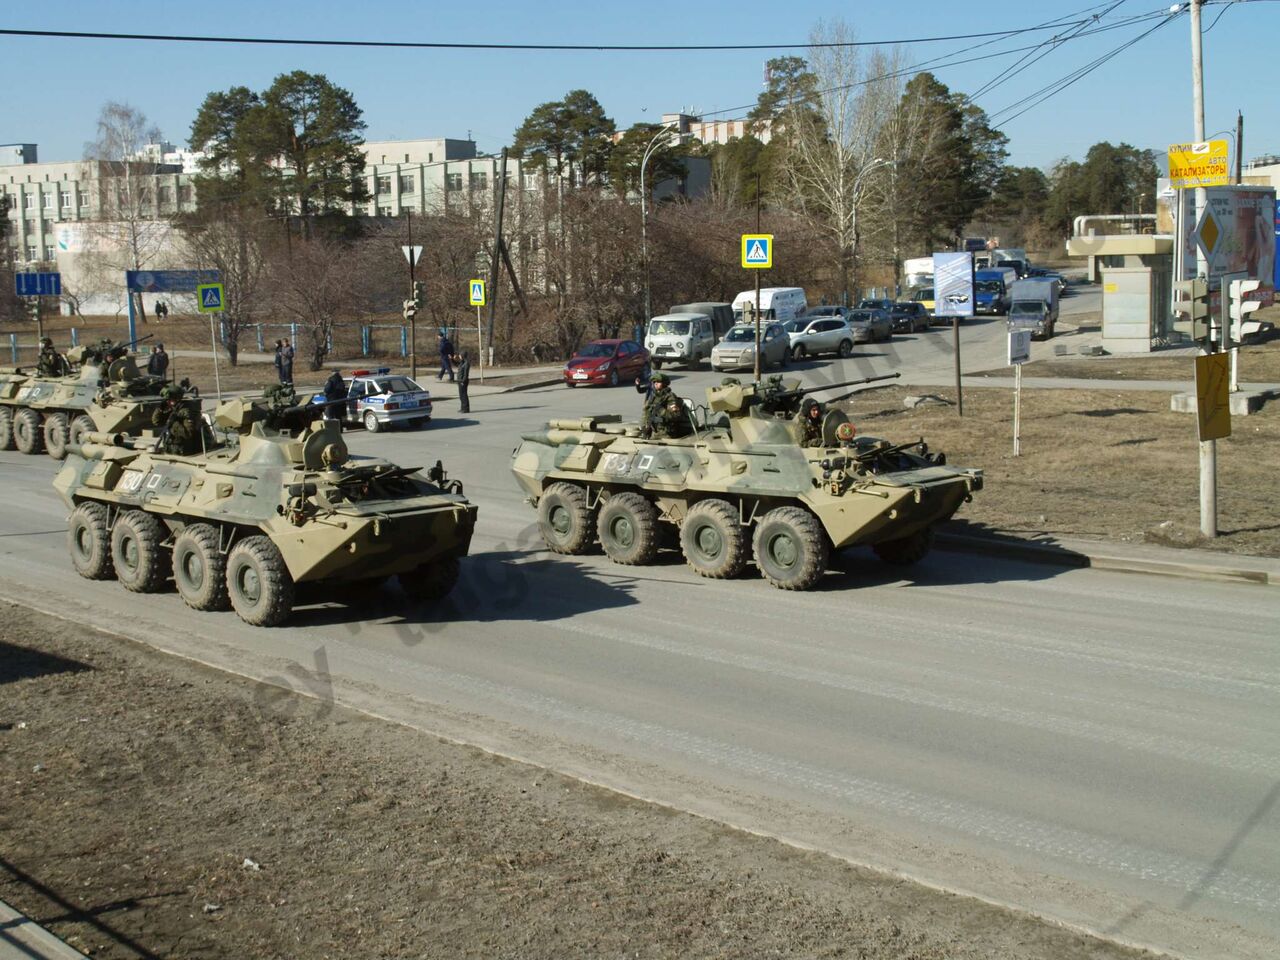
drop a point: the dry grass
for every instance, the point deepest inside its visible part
(1096, 463)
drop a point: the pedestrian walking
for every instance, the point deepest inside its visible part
(286, 362)
(158, 362)
(446, 356)
(462, 363)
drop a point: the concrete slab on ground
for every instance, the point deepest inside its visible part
(21, 938)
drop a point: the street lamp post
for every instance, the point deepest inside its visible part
(644, 214)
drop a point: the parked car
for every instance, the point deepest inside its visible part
(606, 362)
(738, 348)
(908, 316)
(1040, 273)
(879, 304)
(377, 399)
(825, 333)
(870, 325)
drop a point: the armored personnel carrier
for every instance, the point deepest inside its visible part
(271, 501)
(107, 392)
(751, 479)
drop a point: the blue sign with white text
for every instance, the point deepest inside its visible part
(38, 284)
(168, 281)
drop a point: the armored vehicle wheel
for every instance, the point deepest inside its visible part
(906, 550)
(628, 528)
(79, 427)
(845, 349)
(791, 548)
(142, 564)
(564, 519)
(371, 422)
(431, 581)
(56, 434)
(89, 542)
(200, 569)
(6, 428)
(27, 435)
(713, 541)
(258, 582)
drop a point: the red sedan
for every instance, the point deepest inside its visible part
(606, 361)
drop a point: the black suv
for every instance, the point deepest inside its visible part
(909, 316)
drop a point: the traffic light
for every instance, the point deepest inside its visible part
(410, 309)
(1239, 308)
(1191, 308)
(419, 294)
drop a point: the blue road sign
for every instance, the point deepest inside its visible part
(38, 284)
(168, 281)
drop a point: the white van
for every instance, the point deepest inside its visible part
(777, 304)
(680, 338)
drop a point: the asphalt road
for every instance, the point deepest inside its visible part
(1100, 748)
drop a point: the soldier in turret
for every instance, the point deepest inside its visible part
(51, 363)
(810, 418)
(179, 427)
(664, 413)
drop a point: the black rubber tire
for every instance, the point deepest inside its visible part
(657, 364)
(200, 568)
(905, 551)
(28, 435)
(628, 529)
(613, 378)
(89, 542)
(56, 435)
(6, 428)
(142, 563)
(432, 581)
(371, 422)
(797, 352)
(566, 522)
(845, 349)
(791, 548)
(714, 541)
(258, 582)
(79, 427)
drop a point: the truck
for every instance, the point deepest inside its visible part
(917, 272)
(721, 314)
(1034, 306)
(777, 304)
(991, 290)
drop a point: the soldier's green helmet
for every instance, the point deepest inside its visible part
(660, 377)
(172, 392)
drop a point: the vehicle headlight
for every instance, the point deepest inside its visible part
(605, 366)
(649, 344)
(679, 344)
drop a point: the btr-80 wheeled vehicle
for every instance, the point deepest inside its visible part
(274, 502)
(106, 393)
(750, 478)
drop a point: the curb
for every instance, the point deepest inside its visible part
(21, 938)
(1104, 557)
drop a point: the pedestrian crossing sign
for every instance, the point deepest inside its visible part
(757, 251)
(209, 298)
(477, 293)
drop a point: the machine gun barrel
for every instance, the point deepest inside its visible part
(804, 391)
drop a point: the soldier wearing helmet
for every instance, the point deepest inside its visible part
(664, 413)
(50, 363)
(178, 426)
(810, 418)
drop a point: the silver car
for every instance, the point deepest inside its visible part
(811, 335)
(737, 351)
(869, 326)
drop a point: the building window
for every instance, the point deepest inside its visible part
(166, 194)
(384, 211)
(453, 181)
(50, 201)
(479, 180)
(384, 184)
(406, 184)
(29, 202)
(67, 201)
(31, 251)
(184, 193)
(431, 157)
(406, 158)
(51, 254)
(530, 180)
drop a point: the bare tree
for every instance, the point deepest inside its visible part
(314, 283)
(830, 156)
(233, 245)
(127, 232)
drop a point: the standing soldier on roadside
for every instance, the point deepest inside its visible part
(462, 374)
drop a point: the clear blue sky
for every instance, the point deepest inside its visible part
(1143, 96)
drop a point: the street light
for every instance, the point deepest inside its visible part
(644, 210)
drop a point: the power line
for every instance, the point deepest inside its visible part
(442, 45)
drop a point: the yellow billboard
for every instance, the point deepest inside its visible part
(1201, 164)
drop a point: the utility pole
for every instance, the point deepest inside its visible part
(1208, 448)
(757, 273)
(1239, 147)
(499, 248)
(413, 318)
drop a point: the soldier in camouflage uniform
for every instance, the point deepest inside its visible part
(810, 418)
(664, 412)
(51, 363)
(179, 427)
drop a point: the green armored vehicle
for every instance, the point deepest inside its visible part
(106, 393)
(270, 501)
(751, 478)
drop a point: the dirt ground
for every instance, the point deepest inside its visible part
(1095, 463)
(152, 808)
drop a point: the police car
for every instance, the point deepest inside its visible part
(378, 399)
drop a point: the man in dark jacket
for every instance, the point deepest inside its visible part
(286, 361)
(335, 388)
(462, 363)
(158, 362)
(446, 356)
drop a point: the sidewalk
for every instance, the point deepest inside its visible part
(21, 938)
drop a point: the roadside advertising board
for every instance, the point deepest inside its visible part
(953, 284)
(1202, 164)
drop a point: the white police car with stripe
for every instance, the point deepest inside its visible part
(378, 399)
